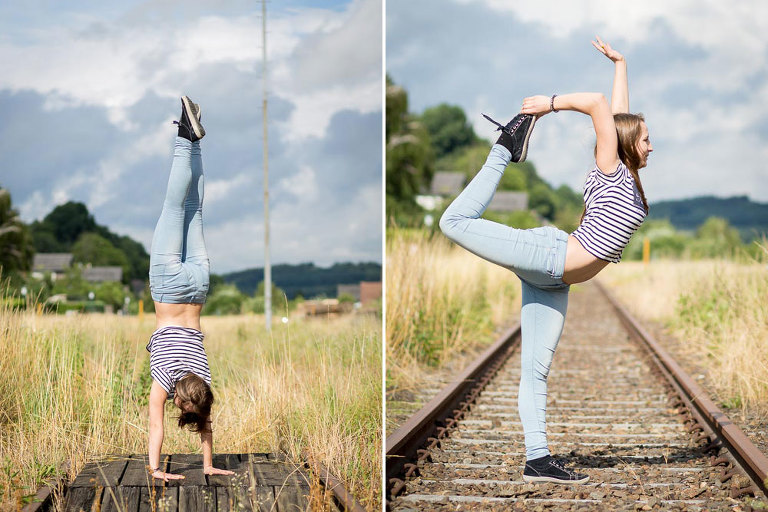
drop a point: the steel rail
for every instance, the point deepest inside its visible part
(715, 424)
(428, 425)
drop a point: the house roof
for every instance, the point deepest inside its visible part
(52, 261)
(100, 274)
(508, 201)
(447, 183)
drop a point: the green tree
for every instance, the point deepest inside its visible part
(16, 249)
(448, 128)
(97, 250)
(408, 158)
(112, 293)
(227, 300)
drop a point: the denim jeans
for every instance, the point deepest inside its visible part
(537, 256)
(178, 263)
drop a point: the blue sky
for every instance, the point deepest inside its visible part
(89, 90)
(698, 70)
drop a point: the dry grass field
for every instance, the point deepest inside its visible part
(77, 387)
(718, 312)
(441, 301)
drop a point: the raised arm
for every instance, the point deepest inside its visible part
(594, 105)
(620, 94)
(157, 396)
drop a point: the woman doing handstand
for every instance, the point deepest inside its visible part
(178, 279)
(546, 259)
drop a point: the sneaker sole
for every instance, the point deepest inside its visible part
(549, 479)
(524, 153)
(192, 116)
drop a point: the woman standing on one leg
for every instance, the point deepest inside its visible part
(548, 260)
(178, 279)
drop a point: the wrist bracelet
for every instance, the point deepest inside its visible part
(552, 104)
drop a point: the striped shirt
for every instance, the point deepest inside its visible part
(614, 212)
(175, 352)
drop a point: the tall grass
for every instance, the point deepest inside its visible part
(441, 300)
(74, 388)
(716, 309)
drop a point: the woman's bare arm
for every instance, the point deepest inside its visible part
(594, 105)
(157, 397)
(620, 94)
(206, 439)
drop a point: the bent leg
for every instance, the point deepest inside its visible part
(541, 320)
(461, 221)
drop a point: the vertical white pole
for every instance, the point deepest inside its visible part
(267, 265)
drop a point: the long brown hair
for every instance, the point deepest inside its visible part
(194, 394)
(629, 130)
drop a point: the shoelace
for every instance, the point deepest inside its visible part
(561, 466)
(504, 128)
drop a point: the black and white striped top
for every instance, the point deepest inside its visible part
(614, 212)
(175, 352)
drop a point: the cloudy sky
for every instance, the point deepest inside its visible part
(89, 89)
(698, 70)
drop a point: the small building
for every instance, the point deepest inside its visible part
(370, 291)
(57, 263)
(102, 274)
(447, 183)
(508, 201)
(348, 289)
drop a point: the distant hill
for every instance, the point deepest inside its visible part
(306, 279)
(749, 217)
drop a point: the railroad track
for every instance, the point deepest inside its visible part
(619, 408)
(262, 482)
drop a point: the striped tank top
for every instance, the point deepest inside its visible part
(614, 212)
(175, 352)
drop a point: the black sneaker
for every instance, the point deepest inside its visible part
(189, 123)
(515, 135)
(549, 469)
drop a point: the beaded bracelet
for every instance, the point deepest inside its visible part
(552, 104)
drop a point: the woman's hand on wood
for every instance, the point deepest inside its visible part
(210, 470)
(160, 475)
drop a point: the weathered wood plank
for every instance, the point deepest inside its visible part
(292, 498)
(279, 473)
(235, 498)
(120, 499)
(160, 499)
(189, 465)
(103, 473)
(197, 499)
(263, 498)
(79, 498)
(232, 462)
(137, 475)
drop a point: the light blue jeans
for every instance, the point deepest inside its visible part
(537, 256)
(178, 262)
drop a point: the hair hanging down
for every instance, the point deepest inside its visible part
(195, 394)
(628, 129)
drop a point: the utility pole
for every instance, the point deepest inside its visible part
(267, 265)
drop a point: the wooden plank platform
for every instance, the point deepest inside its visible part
(262, 482)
